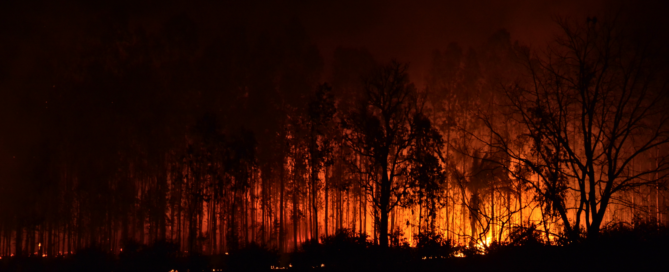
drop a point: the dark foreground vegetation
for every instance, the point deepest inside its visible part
(619, 248)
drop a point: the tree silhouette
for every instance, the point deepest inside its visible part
(319, 121)
(594, 104)
(380, 129)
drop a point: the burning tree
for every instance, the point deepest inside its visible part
(594, 104)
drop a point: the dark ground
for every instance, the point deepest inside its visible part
(621, 249)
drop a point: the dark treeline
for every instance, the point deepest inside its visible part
(118, 132)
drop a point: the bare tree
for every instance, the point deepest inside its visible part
(595, 102)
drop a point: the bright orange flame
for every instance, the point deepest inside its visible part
(482, 245)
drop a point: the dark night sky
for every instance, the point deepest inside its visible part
(412, 30)
(406, 30)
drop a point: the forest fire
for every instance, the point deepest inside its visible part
(214, 136)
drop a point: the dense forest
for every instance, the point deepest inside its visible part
(123, 132)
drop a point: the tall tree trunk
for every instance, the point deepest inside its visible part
(282, 244)
(18, 240)
(314, 179)
(327, 188)
(295, 223)
(384, 201)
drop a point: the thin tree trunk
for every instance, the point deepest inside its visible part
(282, 245)
(327, 188)
(18, 240)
